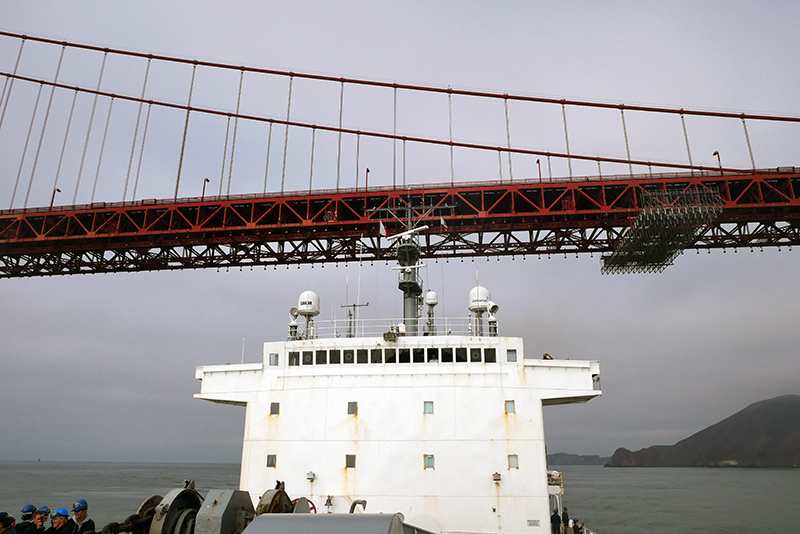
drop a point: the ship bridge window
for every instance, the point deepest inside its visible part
(336, 356)
(275, 408)
(405, 355)
(461, 354)
(391, 355)
(428, 461)
(349, 356)
(489, 355)
(272, 460)
(377, 356)
(447, 355)
(350, 461)
(362, 356)
(352, 408)
(475, 354)
(511, 355)
(433, 355)
(419, 355)
(510, 408)
(273, 359)
(308, 357)
(513, 461)
(322, 357)
(427, 407)
(294, 358)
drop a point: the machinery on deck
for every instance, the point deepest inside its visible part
(185, 511)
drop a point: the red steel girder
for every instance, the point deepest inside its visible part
(487, 218)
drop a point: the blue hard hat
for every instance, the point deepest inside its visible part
(27, 510)
(61, 512)
(80, 504)
(44, 509)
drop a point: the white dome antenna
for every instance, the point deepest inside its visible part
(480, 302)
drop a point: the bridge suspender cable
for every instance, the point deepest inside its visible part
(235, 129)
(27, 140)
(44, 127)
(89, 128)
(186, 130)
(136, 130)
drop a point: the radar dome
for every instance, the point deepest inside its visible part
(479, 298)
(431, 298)
(308, 304)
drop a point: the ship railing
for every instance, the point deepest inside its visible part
(395, 328)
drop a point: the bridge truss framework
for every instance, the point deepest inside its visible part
(579, 216)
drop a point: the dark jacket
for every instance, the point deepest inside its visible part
(555, 521)
(31, 529)
(86, 526)
(65, 529)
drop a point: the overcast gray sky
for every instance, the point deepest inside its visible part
(101, 367)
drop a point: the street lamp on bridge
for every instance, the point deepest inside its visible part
(53, 198)
(203, 196)
(719, 162)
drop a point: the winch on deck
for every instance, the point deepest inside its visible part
(185, 511)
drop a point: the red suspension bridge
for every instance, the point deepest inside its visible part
(330, 157)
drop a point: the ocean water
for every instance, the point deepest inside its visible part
(671, 500)
(113, 490)
(609, 501)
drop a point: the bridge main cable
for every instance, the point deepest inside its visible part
(381, 135)
(417, 87)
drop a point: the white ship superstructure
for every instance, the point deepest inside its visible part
(444, 427)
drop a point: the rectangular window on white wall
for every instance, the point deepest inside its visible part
(513, 461)
(511, 355)
(510, 408)
(427, 407)
(352, 408)
(350, 461)
(275, 408)
(273, 359)
(429, 462)
(272, 460)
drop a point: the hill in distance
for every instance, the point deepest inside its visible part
(563, 458)
(765, 434)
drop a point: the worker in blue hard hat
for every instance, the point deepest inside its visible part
(38, 520)
(80, 516)
(60, 522)
(25, 518)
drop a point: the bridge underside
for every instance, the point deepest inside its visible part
(760, 209)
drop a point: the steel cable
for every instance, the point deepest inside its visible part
(186, 129)
(11, 84)
(66, 137)
(25, 149)
(141, 151)
(286, 135)
(102, 148)
(235, 130)
(136, 131)
(89, 128)
(44, 126)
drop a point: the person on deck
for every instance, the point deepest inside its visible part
(61, 523)
(80, 516)
(7, 524)
(25, 518)
(37, 521)
(555, 522)
(565, 519)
